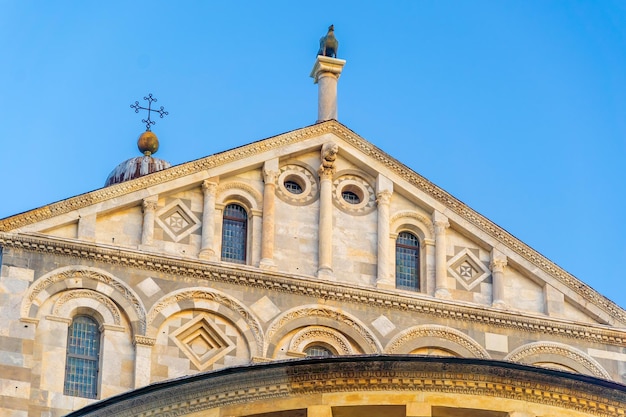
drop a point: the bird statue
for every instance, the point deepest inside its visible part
(329, 44)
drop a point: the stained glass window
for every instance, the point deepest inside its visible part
(234, 233)
(81, 363)
(407, 262)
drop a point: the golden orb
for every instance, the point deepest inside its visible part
(148, 143)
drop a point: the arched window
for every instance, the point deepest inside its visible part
(318, 350)
(234, 233)
(407, 262)
(82, 358)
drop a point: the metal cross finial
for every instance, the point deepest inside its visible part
(150, 100)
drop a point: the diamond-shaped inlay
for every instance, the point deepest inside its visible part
(467, 269)
(177, 220)
(202, 341)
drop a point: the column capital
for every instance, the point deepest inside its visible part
(144, 340)
(209, 187)
(497, 265)
(270, 176)
(328, 156)
(327, 66)
(149, 205)
(383, 197)
(440, 226)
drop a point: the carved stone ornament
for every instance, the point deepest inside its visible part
(320, 334)
(328, 157)
(456, 337)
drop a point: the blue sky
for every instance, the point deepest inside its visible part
(517, 108)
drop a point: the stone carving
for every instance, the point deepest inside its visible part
(523, 353)
(327, 335)
(358, 186)
(397, 220)
(149, 205)
(227, 189)
(100, 298)
(196, 294)
(467, 269)
(177, 220)
(373, 345)
(144, 340)
(123, 295)
(456, 206)
(397, 376)
(441, 332)
(302, 176)
(329, 156)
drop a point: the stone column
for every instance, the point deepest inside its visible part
(441, 268)
(429, 253)
(498, 262)
(143, 353)
(270, 174)
(147, 231)
(207, 248)
(384, 188)
(325, 230)
(255, 222)
(325, 74)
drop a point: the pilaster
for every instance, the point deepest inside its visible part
(147, 231)
(384, 190)
(441, 271)
(270, 174)
(498, 263)
(207, 248)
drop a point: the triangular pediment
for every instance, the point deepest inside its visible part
(113, 216)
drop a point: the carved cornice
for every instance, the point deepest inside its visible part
(192, 271)
(295, 136)
(495, 381)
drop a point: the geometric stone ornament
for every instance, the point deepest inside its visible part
(202, 342)
(309, 187)
(177, 220)
(357, 186)
(468, 270)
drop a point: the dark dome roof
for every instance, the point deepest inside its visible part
(135, 168)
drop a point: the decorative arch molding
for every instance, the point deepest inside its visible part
(417, 220)
(239, 191)
(207, 299)
(436, 336)
(558, 353)
(326, 316)
(326, 335)
(72, 301)
(88, 278)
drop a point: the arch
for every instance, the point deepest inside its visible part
(324, 316)
(207, 299)
(432, 335)
(73, 277)
(559, 354)
(236, 191)
(72, 302)
(414, 222)
(319, 334)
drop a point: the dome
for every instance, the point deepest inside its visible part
(135, 168)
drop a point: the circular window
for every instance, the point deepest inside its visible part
(296, 185)
(350, 197)
(293, 187)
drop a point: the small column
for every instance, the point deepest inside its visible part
(498, 262)
(207, 248)
(143, 352)
(270, 174)
(326, 172)
(147, 231)
(429, 250)
(441, 270)
(325, 74)
(384, 190)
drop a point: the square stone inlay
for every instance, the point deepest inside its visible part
(177, 220)
(467, 269)
(202, 341)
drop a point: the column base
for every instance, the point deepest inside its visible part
(385, 285)
(499, 304)
(207, 255)
(443, 293)
(325, 274)
(268, 264)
